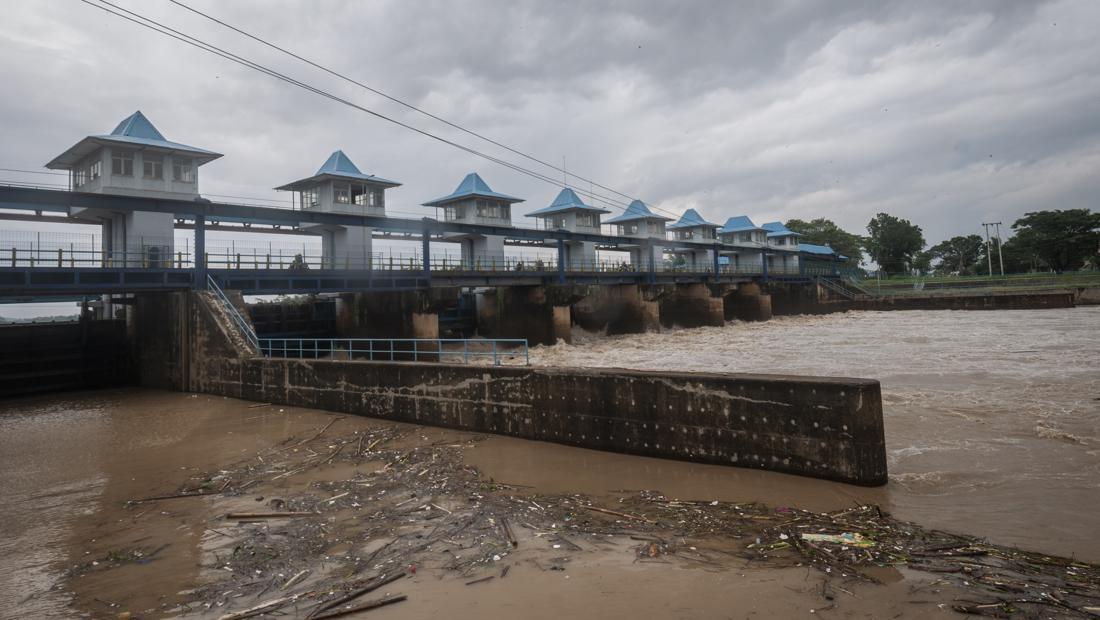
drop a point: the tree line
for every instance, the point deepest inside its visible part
(1057, 240)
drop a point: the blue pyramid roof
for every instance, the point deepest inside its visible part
(567, 200)
(739, 223)
(690, 219)
(339, 163)
(471, 186)
(137, 126)
(636, 210)
(337, 166)
(777, 229)
(134, 130)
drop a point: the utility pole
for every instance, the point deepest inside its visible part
(1000, 257)
(988, 256)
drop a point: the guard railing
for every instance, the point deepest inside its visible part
(497, 351)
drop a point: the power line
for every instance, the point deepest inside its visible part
(392, 98)
(212, 49)
(63, 174)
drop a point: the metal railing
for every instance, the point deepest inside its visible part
(150, 257)
(243, 325)
(839, 288)
(165, 257)
(497, 351)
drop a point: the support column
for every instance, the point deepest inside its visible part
(200, 253)
(619, 309)
(561, 261)
(692, 305)
(426, 252)
(748, 303)
(538, 314)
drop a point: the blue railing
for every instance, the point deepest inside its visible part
(498, 351)
(243, 325)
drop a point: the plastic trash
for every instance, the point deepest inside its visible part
(851, 539)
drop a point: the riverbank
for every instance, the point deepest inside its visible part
(101, 532)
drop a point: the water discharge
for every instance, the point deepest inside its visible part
(992, 418)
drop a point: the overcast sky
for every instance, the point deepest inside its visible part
(948, 114)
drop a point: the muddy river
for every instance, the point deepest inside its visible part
(992, 425)
(992, 418)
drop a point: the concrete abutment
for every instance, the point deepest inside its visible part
(618, 309)
(820, 427)
(693, 305)
(748, 303)
(539, 314)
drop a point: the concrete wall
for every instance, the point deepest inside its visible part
(821, 427)
(748, 303)
(991, 301)
(483, 251)
(618, 309)
(1087, 296)
(692, 305)
(539, 314)
(788, 299)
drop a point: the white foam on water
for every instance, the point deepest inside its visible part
(1002, 402)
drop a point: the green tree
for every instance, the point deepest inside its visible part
(922, 262)
(1062, 239)
(893, 243)
(824, 232)
(1017, 257)
(958, 254)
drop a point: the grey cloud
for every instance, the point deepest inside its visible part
(774, 109)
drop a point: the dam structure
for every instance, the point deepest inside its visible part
(393, 337)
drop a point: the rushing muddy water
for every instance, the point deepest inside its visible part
(992, 418)
(992, 422)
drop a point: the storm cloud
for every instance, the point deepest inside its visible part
(948, 114)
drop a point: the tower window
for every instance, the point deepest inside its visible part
(341, 193)
(122, 163)
(152, 166)
(182, 170)
(308, 198)
(493, 209)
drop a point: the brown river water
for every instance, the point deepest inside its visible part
(992, 427)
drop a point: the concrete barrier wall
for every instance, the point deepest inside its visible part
(827, 428)
(790, 299)
(820, 427)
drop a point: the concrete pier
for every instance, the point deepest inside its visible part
(618, 309)
(406, 314)
(692, 305)
(748, 303)
(539, 314)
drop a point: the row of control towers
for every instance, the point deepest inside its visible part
(137, 160)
